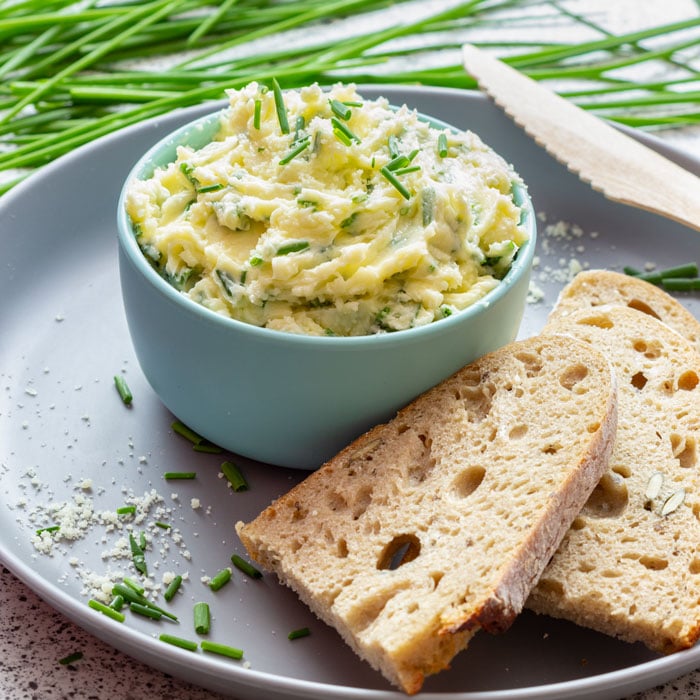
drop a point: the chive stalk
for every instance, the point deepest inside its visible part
(221, 649)
(180, 475)
(181, 429)
(246, 567)
(106, 610)
(220, 579)
(75, 656)
(138, 557)
(172, 588)
(280, 107)
(202, 618)
(178, 642)
(123, 390)
(126, 510)
(299, 633)
(234, 475)
(393, 180)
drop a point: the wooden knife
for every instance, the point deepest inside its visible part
(612, 162)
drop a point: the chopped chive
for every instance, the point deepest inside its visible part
(164, 526)
(631, 271)
(123, 389)
(686, 270)
(299, 125)
(442, 145)
(681, 284)
(181, 429)
(298, 634)
(51, 528)
(178, 642)
(300, 148)
(106, 610)
(220, 580)
(131, 596)
(393, 145)
(208, 448)
(221, 649)
(342, 137)
(202, 618)
(245, 567)
(257, 110)
(126, 510)
(295, 247)
(255, 261)
(340, 109)
(186, 168)
(280, 107)
(172, 588)
(404, 171)
(210, 188)
(395, 182)
(234, 475)
(75, 656)
(145, 611)
(399, 162)
(134, 585)
(651, 277)
(180, 475)
(117, 602)
(352, 103)
(343, 128)
(137, 556)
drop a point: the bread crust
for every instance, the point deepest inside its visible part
(479, 478)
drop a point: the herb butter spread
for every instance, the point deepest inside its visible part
(319, 212)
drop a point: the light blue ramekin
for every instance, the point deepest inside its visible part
(286, 399)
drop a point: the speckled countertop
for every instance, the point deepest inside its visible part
(33, 636)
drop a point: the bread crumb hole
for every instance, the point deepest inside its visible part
(684, 450)
(609, 498)
(639, 305)
(548, 585)
(593, 427)
(586, 567)
(401, 550)
(578, 524)
(638, 380)
(688, 381)
(694, 567)
(437, 577)
(571, 376)
(468, 481)
(653, 563)
(600, 321)
(342, 548)
(611, 573)
(623, 470)
(362, 502)
(518, 431)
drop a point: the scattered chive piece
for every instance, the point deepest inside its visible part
(137, 556)
(181, 429)
(131, 596)
(51, 528)
(279, 106)
(221, 649)
(134, 585)
(342, 127)
(117, 602)
(393, 146)
(295, 247)
(395, 182)
(681, 284)
(342, 137)
(442, 145)
(245, 567)
(301, 146)
(221, 579)
(255, 261)
(202, 618)
(399, 162)
(164, 526)
(686, 270)
(404, 171)
(180, 475)
(172, 588)
(352, 103)
(123, 389)
(126, 510)
(340, 109)
(145, 611)
(297, 634)
(631, 271)
(257, 109)
(106, 610)
(207, 447)
(178, 642)
(75, 656)
(210, 188)
(234, 475)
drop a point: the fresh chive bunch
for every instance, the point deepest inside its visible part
(68, 77)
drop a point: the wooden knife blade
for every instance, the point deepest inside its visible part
(612, 162)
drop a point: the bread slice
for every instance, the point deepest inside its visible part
(630, 565)
(599, 287)
(439, 522)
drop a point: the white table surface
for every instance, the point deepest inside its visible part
(33, 636)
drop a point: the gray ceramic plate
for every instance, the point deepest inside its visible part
(64, 337)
